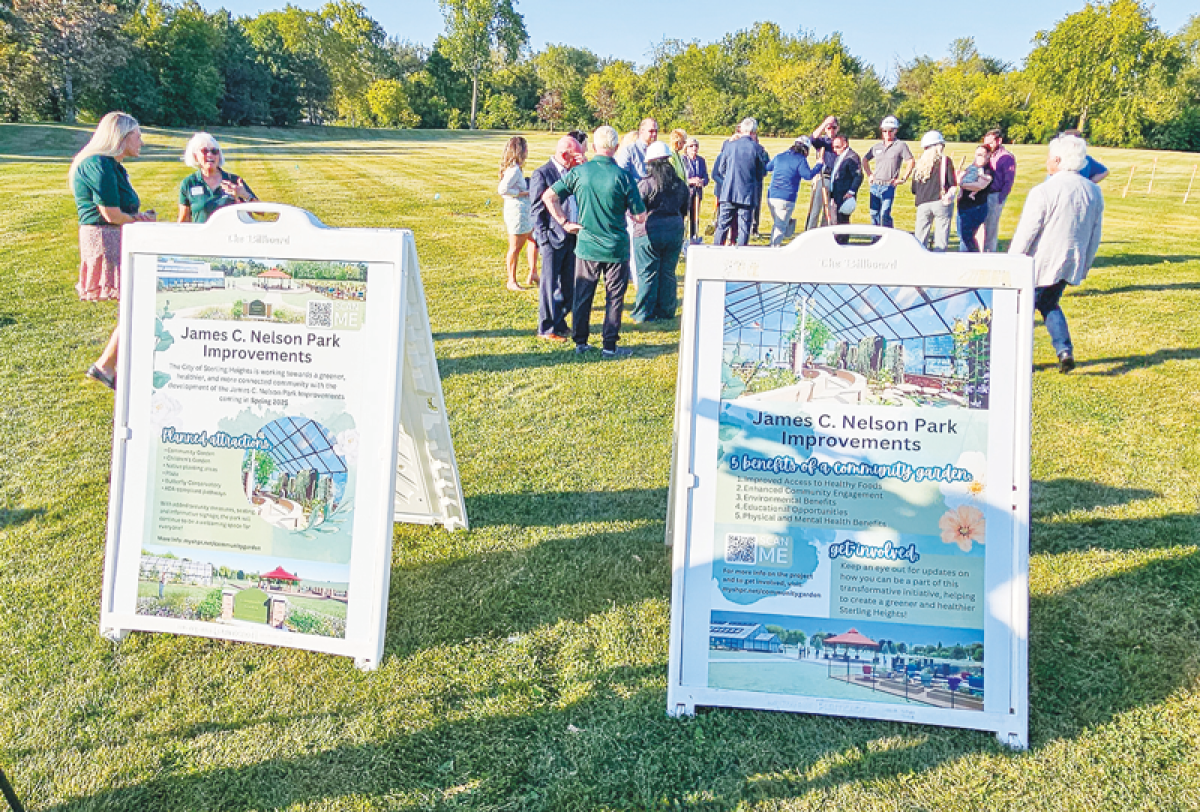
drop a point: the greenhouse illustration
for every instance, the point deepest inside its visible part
(301, 482)
(857, 344)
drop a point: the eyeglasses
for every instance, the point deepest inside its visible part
(210, 151)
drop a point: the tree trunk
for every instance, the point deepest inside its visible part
(68, 96)
(474, 95)
(1082, 121)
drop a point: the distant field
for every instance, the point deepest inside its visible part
(526, 660)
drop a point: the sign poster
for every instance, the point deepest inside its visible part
(250, 509)
(851, 528)
(850, 519)
(278, 406)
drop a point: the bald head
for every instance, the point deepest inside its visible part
(568, 151)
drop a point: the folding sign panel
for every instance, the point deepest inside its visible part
(278, 405)
(849, 494)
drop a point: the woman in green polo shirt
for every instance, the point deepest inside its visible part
(210, 187)
(105, 201)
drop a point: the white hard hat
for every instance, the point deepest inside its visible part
(932, 138)
(889, 123)
(658, 149)
(848, 206)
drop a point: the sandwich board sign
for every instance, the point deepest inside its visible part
(850, 482)
(278, 407)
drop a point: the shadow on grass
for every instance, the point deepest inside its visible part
(1174, 530)
(498, 362)
(1062, 495)
(13, 517)
(1098, 650)
(1128, 260)
(7, 320)
(498, 594)
(549, 509)
(507, 332)
(1163, 288)
(1126, 363)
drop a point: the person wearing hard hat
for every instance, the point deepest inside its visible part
(893, 165)
(935, 187)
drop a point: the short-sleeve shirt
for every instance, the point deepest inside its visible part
(886, 160)
(101, 180)
(202, 200)
(604, 193)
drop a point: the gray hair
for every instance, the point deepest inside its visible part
(191, 153)
(748, 126)
(1071, 152)
(605, 138)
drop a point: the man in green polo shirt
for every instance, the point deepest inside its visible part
(603, 194)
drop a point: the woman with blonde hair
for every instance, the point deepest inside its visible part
(210, 187)
(677, 140)
(517, 216)
(935, 186)
(105, 201)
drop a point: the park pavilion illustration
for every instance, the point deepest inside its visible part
(847, 665)
(857, 344)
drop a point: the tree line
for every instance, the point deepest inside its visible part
(1107, 69)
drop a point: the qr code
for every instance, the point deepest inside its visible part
(740, 549)
(320, 314)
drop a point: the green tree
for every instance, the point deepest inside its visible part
(1096, 70)
(352, 50)
(387, 100)
(561, 73)
(473, 29)
(247, 78)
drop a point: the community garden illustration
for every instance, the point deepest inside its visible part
(863, 661)
(856, 344)
(281, 291)
(304, 597)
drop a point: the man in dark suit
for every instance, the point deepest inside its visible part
(738, 175)
(556, 291)
(846, 177)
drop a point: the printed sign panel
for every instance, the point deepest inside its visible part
(257, 429)
(852, 520)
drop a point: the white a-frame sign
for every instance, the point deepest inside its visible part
(278, 407)
(849, 491)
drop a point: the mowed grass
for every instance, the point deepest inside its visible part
(526, 659)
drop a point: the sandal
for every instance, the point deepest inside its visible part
(97, 374)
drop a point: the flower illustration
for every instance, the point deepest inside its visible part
(965, 493)
(347, 445)
(163, 409)
(962, 525)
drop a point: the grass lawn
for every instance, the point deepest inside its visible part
(326, 607)
(526, 660)
(149, 589)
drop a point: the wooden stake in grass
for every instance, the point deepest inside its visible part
(1125, 191)
(1189, 189)
(1153, 167)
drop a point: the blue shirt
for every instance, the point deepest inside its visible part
(787, 170)
(1092, 167)
(633, 160)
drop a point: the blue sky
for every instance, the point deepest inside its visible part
(879, 33)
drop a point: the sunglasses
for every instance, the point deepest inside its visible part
(210, 151)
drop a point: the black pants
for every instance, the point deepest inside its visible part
(556, 292)
(616, 279)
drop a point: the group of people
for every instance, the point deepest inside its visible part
(624, 214)
(576, 224)
(105, 200)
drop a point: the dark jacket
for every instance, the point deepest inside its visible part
(739, 171)
(848, 178)
(545, 229)
(665, 210)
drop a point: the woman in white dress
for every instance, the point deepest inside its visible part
(517, 218)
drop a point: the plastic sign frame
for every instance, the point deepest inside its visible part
(261, 421)
(773, 540)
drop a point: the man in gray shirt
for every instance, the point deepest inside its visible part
(893, 164)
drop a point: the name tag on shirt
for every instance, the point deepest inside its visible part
(197, 190)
